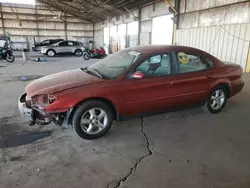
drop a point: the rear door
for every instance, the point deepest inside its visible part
(62, 47)
(71, 47)
(193, 81)
(77, 45)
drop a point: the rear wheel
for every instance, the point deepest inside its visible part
(92, 119)
(78, 53)
(216, 100)
(10, 58)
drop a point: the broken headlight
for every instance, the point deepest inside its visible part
(42, 101)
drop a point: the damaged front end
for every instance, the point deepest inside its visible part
(34, 109)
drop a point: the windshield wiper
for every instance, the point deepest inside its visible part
(93, 72)
(98, 73)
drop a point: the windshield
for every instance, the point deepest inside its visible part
(114, 65)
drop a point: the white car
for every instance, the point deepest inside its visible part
(64, 47)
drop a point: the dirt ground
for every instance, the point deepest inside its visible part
(191, 148)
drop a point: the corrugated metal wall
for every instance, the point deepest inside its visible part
(219, 27)
(41, 23)
(228, 43)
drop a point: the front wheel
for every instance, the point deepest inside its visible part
(10, 58)
(216, 100)
(51, 53)
(92, 119)
(86, 56)
(78, 53)
(104, 56)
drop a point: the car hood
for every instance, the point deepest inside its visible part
(61, 81)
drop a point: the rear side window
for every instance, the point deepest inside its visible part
(187, 63)
(70, 43)
(77, 43)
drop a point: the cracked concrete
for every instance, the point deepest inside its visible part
(119, 182)
(189, 148)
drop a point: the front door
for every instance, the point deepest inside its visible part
(154, 92)
(62, 47)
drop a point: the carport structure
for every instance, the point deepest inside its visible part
(97, 10)
(190, 148)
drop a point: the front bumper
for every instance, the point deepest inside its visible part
(23, 109)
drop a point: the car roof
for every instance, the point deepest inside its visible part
(71, 41)
(155, 48)
(151, 49)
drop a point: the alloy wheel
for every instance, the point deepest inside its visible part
(94, 121)
(51, 53)
(217, 99)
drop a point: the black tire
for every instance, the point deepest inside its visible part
(104, 56)
(78, 53)
(51, 53)
(85, 107)
(10, 58)
(208, 105)
(86, 56)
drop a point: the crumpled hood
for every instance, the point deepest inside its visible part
(61, 81)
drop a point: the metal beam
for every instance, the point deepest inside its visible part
(226, 5)
(59, 7)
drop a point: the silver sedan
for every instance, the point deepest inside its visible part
(64, 47)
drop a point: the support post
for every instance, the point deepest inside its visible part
(247, 69)
(177, 8)
(37, 29)
(94, 36)
(176, 23)
(2, 21)
(139, 26)
(65, 27)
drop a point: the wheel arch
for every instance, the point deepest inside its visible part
(78, 49)
(102, 99)
(226, 86)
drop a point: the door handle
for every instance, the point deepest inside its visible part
(169, 83)
(210, 77)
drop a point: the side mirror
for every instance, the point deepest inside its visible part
(138, 75)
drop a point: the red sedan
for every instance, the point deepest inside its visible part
(134, 82)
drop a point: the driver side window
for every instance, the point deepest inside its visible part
(158, 65)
